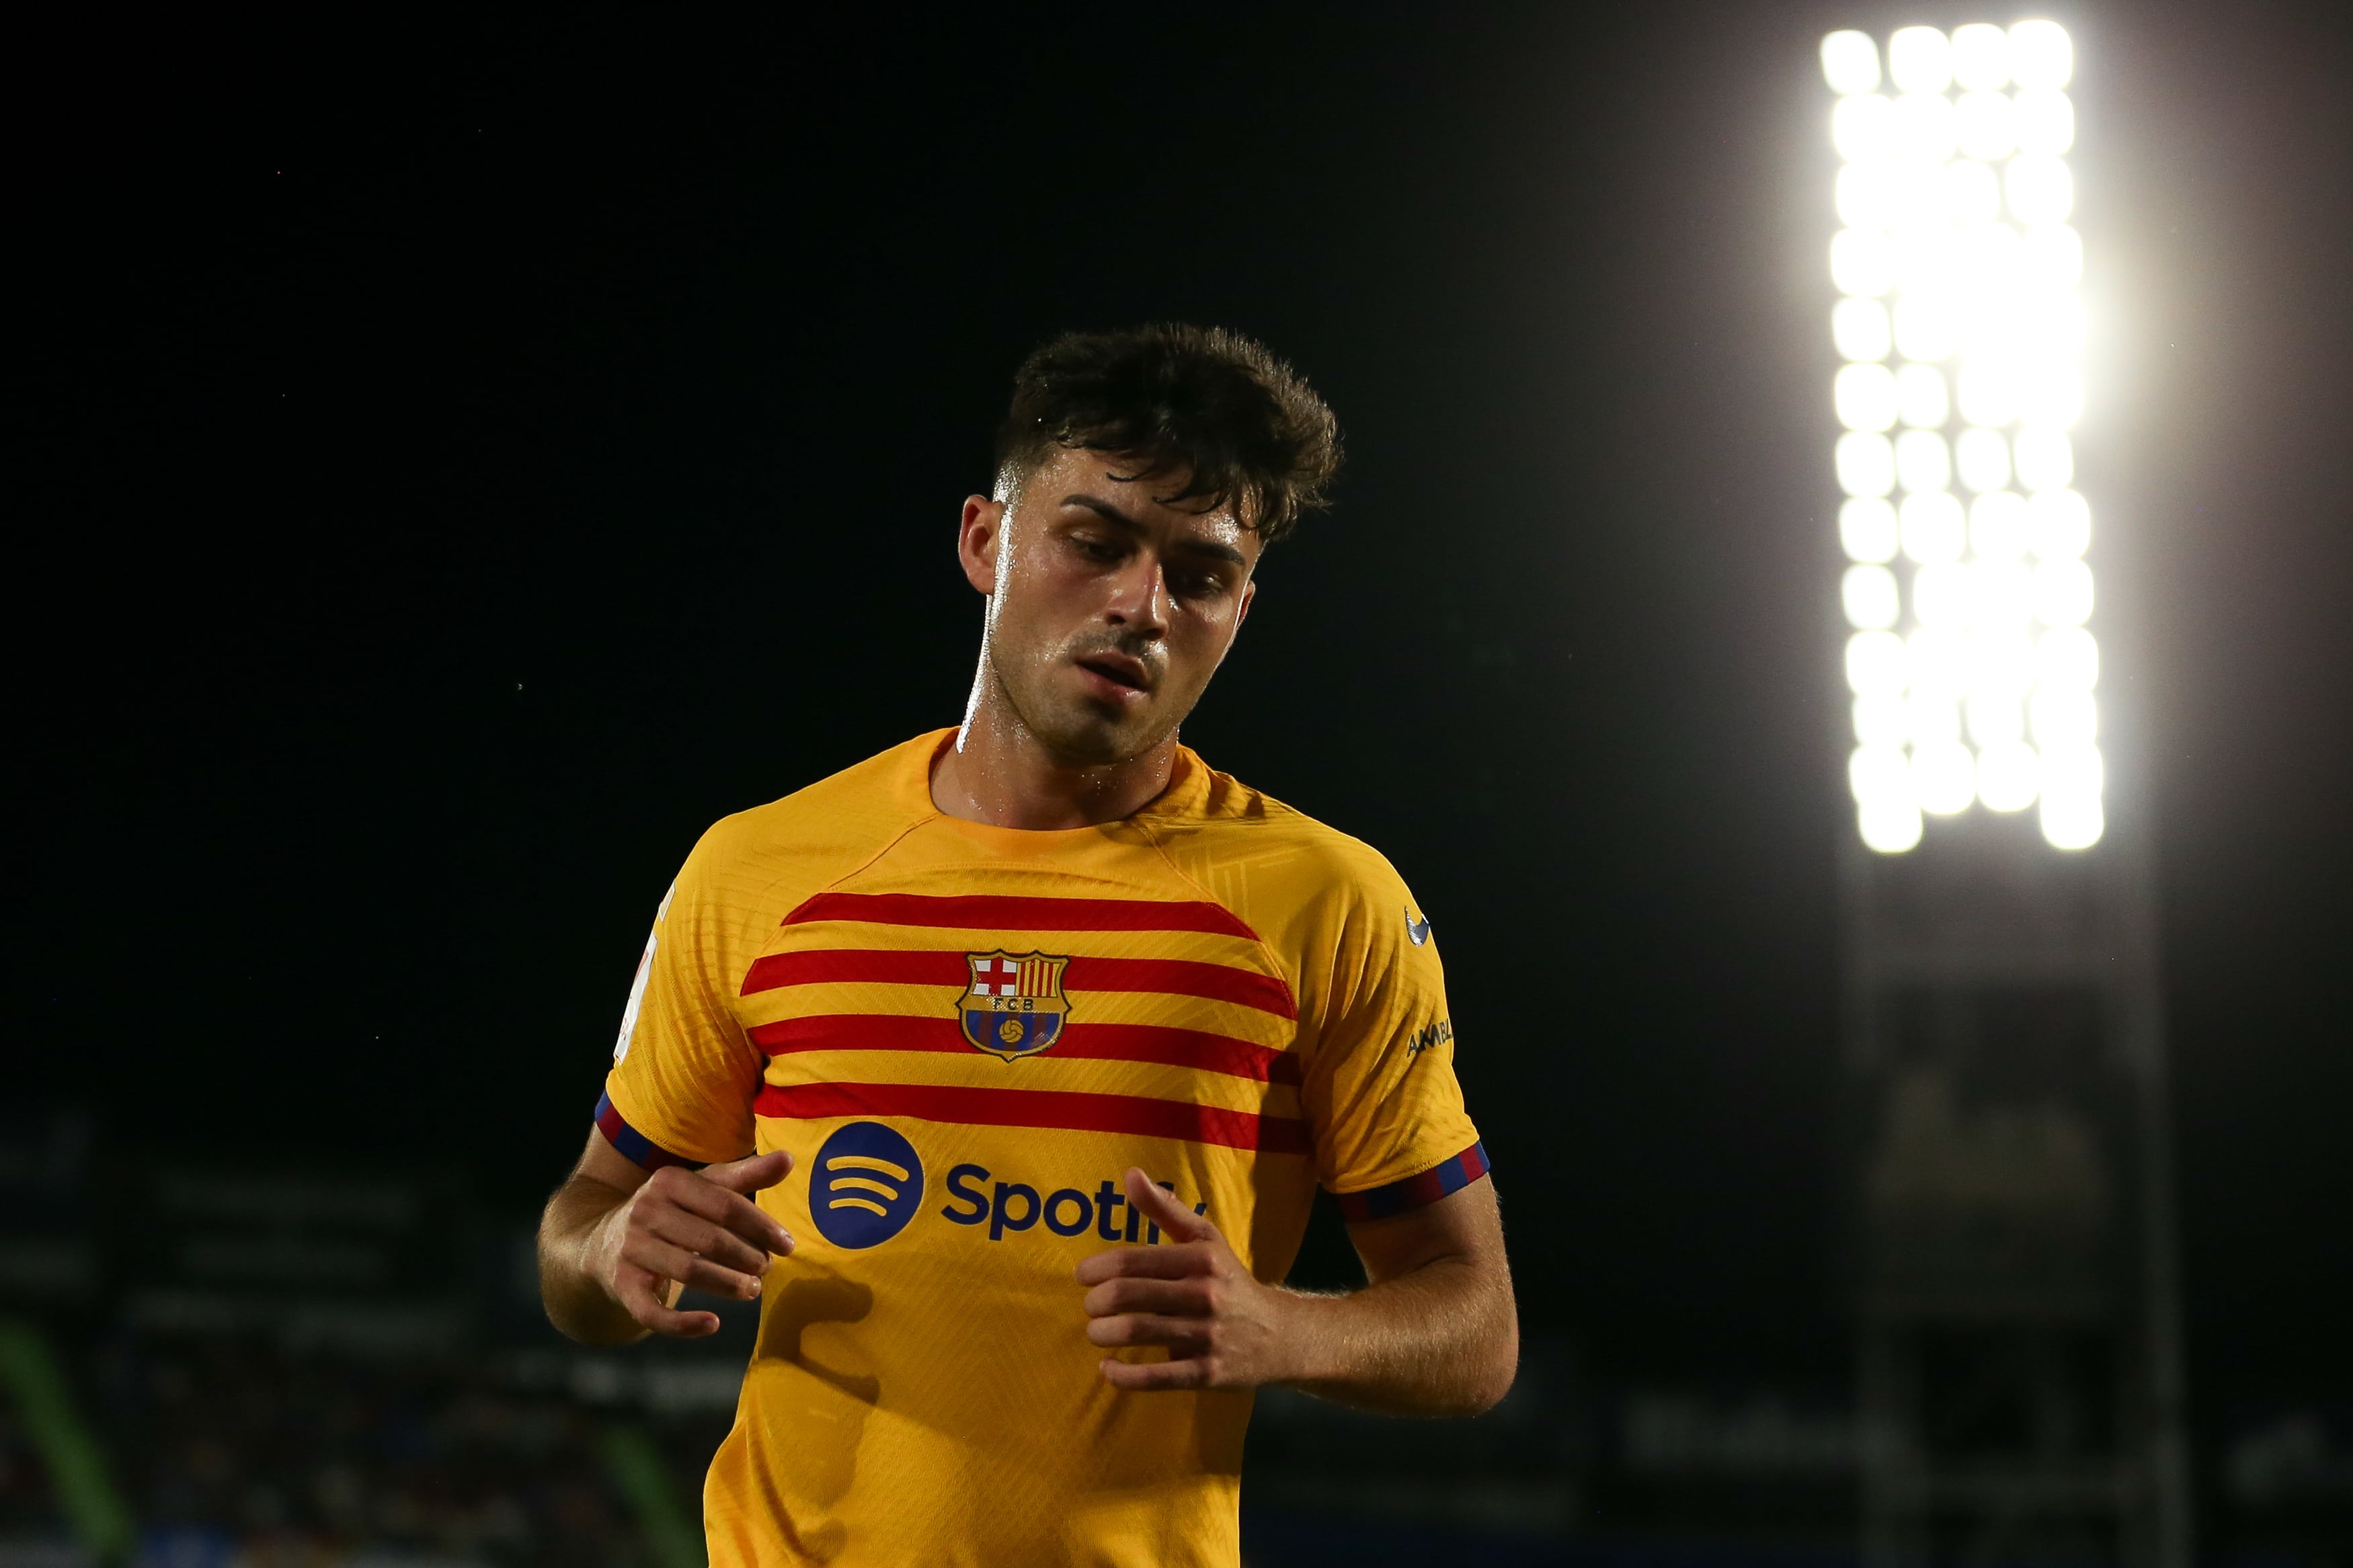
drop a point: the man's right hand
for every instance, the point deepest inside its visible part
(688, 1227)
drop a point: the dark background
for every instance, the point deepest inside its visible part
(467, 458)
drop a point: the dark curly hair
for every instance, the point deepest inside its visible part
(1212, 405)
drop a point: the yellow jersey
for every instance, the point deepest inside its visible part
(965, 1035)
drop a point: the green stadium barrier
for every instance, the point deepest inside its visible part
(636, 1467)
(77, 1465)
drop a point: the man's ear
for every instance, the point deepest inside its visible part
(978, 539)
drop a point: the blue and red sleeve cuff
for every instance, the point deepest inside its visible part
(633, 1145)
(1446, 1177)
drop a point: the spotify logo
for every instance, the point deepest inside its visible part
(865, 1184)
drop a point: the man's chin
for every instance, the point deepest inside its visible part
(1094, 740)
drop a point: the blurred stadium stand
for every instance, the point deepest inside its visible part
(209, 1366)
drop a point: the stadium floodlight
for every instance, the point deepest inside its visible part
(1960, 334)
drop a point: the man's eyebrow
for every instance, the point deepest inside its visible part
(1104, 509)
(1212, 547)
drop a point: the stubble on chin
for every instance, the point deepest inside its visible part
(1072, 729)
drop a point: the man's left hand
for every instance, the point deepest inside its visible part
(1223, 1328)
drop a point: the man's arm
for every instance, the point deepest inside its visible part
(617, 1243)
(1433, 1333)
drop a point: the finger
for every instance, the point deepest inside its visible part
(1145, 1376)
(635, 1294)
(1179, 1297)
(737, 1213)
(1147, 1263)
(658, 1256)
(704, 1275)
(750, 1175)
(699, 1235)
(1148, 1329)
(1159, 1205)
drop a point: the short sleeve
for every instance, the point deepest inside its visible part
(683, 1074)
(1391, 1133)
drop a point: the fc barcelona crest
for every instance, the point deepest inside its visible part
(1015, 1005)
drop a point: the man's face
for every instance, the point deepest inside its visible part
(1108, 610)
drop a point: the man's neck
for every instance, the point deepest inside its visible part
(998, 771)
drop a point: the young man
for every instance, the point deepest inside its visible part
(1012, 1056)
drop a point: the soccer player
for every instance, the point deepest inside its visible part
(1002, 1067)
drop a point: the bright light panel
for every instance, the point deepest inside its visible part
(1969, 596)
(1850, 62)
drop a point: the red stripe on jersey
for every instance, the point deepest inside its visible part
(1172, 976)
(994, 911)
(1195, 1048)
(878, 966)
(1060, 1109)
(1182, 977)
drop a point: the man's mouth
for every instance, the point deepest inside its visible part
(1119, 670)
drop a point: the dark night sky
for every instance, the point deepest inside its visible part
(467, 463)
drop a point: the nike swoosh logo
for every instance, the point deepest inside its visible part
(1417, 930)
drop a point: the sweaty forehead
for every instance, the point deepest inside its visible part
(1127, 491)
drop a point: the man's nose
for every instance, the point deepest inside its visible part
(1139, 597)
